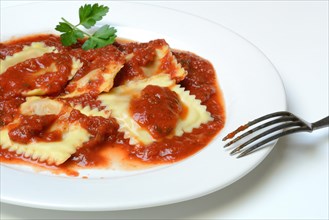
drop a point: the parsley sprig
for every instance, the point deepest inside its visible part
(88, 15)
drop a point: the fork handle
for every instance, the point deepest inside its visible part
(321, 123)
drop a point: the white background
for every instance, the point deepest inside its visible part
(292, 182)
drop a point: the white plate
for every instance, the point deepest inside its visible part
(251, 87)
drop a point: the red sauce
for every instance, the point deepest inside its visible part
(145, 110)
(107, 141)
(233, 133)
(9, 109)
(201, 78)
(23, 77)
(201, 81)
(86, 99)
(102, 129)
(34, 128)
(144, 55)
(94, 59)
(17, 45)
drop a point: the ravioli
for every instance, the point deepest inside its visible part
(119, 98)
(102, 78)
(87, 110)
(45, 75)
(73, 135)
(70, 108)
(144, 60)
(75, 66)
(98, 74)
(36, 49)
(165, 62)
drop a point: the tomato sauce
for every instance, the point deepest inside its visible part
(201, 81)
(9, 109)
(157, 109)
(94, 59)
(32, 128)
(145, 110)
(86, 99)
(17, 45)
(24, 76)
(144, 54)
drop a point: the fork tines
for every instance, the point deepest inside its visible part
(282, 120)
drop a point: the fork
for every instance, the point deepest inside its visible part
(284, 122)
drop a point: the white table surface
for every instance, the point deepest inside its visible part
(292, 182)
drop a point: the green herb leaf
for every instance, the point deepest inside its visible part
(105, 32)
(102, 37)
(95, 42)
(71, 37)
(89, 44)
(90, 14)
(63, 27)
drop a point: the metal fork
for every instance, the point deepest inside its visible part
(284, 122)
